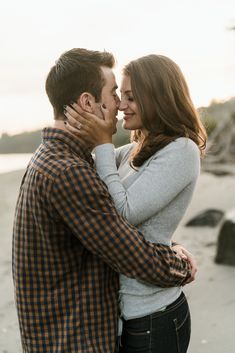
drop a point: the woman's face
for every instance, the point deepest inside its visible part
(131, 118)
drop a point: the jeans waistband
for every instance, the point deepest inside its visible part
(180, 300)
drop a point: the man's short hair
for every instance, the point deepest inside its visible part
(76, 71)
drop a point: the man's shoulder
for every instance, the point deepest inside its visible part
(52, 163)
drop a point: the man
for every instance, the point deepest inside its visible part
(69, 242)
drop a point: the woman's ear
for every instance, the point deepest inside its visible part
(86, 102)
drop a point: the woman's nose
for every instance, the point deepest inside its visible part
(122, 105)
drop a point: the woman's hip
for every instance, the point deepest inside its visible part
(162, 332)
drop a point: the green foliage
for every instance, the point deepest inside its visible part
(216, 112)
(233, 117)
(220, 109)
(122, 136)
(27, 142)
(210, 123)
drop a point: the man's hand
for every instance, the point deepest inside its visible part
(185, 254)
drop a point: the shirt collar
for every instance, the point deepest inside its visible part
(51, 134)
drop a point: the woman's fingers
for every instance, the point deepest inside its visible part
(89, 127)
(72, 130)
(72, 111)
(89, 120)
(77, 124)
(74, 116)
(77, 112)
(81, 133)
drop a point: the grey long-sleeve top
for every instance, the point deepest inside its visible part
(154, 198)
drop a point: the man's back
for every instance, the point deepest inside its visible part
(66, 296)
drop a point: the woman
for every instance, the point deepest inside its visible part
(151, 181)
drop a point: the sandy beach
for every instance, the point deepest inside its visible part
(211, 297)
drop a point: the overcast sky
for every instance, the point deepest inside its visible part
(34, 33)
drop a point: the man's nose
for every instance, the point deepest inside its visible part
(117, 101)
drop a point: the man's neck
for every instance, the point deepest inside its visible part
(59, 124)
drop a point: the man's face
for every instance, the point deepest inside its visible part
(109, 96)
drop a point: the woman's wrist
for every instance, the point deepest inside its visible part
(104, 148)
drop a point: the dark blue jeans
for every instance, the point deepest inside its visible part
(162, 332)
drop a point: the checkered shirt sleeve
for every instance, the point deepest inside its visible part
(83, 203)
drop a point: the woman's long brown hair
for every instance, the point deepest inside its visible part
(166, 109)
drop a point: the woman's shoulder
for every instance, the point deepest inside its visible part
(182, 144)
(182, 152)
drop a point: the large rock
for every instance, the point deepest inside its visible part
(209, 218)
(226, 241)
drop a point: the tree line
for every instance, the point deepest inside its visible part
(27, 142)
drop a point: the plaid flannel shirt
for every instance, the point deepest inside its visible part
(69, 244)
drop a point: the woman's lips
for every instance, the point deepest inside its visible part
(127, 116)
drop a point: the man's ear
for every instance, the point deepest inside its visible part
(86, 102)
